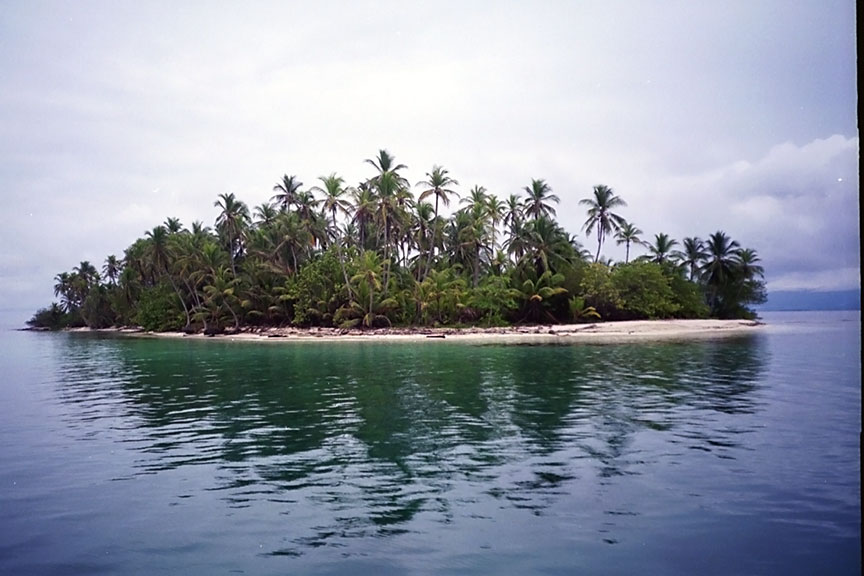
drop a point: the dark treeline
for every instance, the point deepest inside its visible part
(375, 255)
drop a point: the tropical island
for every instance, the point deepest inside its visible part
(372, 256)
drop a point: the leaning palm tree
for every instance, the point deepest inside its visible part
(539, 199)
(627, 234)
(600, 215)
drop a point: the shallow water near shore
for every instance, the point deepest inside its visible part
(165, 456)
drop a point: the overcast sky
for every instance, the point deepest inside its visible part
(726, 115)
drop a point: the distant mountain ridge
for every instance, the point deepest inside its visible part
(809, 300)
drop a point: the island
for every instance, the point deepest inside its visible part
(334, 259)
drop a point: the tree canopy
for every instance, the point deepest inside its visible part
(374, 254)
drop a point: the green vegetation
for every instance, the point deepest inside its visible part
(374, 255)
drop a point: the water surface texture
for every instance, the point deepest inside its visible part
(151, 456)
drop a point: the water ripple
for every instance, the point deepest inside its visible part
(302, 449)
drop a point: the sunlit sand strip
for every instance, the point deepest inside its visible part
(601, 332)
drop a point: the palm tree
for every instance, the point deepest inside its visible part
(546, 242)
(600, 215)
(87, 273)
(369, 273)
(385, 163)
(748, 285)
(307, 205)
(334, 201)
(719, 267)
(220, 295)
(199, 230)
(286, 191)
(437, 185)
(517, 243)
(265, 214)
(231, 224)
(392, 189)
(160, 256)
(580, 312)
(627, 234)
(496, 209)
(112, 269)
(747, 264)
(537, 204)
(537, 295)
(438, 296)
(334, 193)
(63, 287)
(173, 225)
(692, 255)
(661, 249)
(364, 211)
(471, 235)
(514, 211)
(423, 222)
(476, 197)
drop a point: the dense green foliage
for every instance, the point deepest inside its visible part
(374, 255)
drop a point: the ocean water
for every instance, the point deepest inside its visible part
(151, 456)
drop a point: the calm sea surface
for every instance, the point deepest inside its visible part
(144, 456)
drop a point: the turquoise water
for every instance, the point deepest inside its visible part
(141, 456)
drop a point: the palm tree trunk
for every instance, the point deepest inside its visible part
(182, 301)
(599, 244)
(341, 260)
(234, 315)
(476, 265)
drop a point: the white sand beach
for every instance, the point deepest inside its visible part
(600, 332)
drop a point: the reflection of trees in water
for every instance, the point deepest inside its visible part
(375, 434)
(591, 402)
(672, 387)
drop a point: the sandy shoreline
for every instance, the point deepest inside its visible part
(601, 332)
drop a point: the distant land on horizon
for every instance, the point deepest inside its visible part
(810, 300)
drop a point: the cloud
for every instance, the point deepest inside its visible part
(116, 117)
(796, 205)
